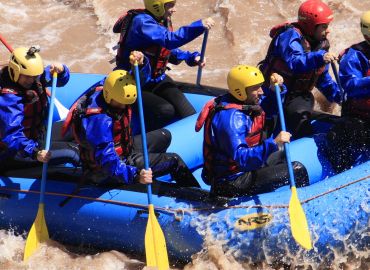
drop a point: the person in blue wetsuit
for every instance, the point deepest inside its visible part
(236, 147)
(349, 141)
(150, 31)
(299, 51)
(101, 124)
(24, 109)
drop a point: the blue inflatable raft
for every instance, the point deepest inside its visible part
(252, 228)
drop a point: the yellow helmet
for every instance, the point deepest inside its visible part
(156, 7)
(365, 23)
(120, 86)
(26, 62)
(241, 77)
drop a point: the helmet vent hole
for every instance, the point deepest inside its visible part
(23, 66)
(156, 7)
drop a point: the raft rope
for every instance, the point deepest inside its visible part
(178, 213)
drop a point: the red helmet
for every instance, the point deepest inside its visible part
(312, 13)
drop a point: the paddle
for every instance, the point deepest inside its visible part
(202, 53)
(6, 44)
(298, 220)
(39, 231)
(155, 243)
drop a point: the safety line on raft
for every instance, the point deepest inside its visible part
(185, 210)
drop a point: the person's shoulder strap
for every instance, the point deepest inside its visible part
(203, 115)
(280, 28)
(77, 107)
(123, 22)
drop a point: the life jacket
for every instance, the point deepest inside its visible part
(255, 136)
(34, 106)
(158, 56)
(296, 83)
(358, 107)
(122, 136)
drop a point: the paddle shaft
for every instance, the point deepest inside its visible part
(202, 53)
(6, 44)
(297, 217)
(48, 136)
(142, 127)
(283, 128)
(155, 243)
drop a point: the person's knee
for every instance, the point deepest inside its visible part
(166, 138)
(159, 140)
(300, 173)
(166, 134)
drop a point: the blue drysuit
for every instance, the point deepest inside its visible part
(96, 132)
(230, 129)
(146, 32)
(288, 46)
(12, 138)
(354, 74)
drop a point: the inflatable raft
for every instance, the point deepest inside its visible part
(252, 228)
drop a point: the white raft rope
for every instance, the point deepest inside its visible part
(180, 212)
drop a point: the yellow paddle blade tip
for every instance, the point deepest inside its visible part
(38, 233)
(298, 222)
(155, 243)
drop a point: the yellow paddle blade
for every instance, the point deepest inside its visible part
(155, 243)
(298, 221)
(38, 233)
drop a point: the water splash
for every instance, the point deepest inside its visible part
(52, 255)
(224, 248)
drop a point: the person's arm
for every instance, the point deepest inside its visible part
(352, 68)
(232, 128)
(99, 136)
(177, 56)
(328, 87)
(63, 75)
(11, 128)
(288, 47)
(147, 31)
